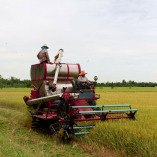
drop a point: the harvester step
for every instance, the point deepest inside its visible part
(81, 133)
(82, 127)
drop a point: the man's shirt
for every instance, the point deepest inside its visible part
(83, 80)
(43, 56)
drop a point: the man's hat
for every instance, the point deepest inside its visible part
(82, 73)
(45, 46)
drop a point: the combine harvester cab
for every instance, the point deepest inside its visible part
(57, 102)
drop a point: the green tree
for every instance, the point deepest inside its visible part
(95, 78)
(1, 81)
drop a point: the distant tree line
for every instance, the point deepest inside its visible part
(14, 82)
(126, 84)
(17, 83)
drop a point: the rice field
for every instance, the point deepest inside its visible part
(128, 137)
(16, 137)
(116, 137)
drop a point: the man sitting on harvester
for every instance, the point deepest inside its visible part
(83, 82)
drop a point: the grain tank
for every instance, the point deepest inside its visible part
(42, 76)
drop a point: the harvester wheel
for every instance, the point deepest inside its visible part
(66, 137)
(54, 128)
(35, 123)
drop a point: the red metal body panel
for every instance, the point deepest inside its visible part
(68, 71)
(46, 116)
(45, 71)
(91, 119)
(82, 102)
(79, 68)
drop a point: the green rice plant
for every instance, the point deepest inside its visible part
(13, 100)
(128, 137)
(15, 90)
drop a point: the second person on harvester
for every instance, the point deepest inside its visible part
(83, 82)
(43, 54)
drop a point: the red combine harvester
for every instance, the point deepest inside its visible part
(57, 102)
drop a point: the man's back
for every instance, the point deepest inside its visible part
(43, 56)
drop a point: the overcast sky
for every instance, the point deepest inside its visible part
(113, 39)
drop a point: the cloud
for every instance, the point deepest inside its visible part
(112, 39)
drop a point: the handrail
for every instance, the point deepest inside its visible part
(100, 106)
(107, 111)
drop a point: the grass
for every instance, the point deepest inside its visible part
(19, 141)
(16, 140)
(119, 137)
